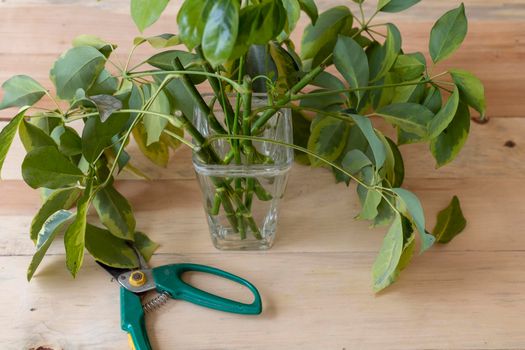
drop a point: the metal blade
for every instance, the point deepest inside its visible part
(113, 271)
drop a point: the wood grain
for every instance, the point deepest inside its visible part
(316, 281)
(465, 300)
(494, 49)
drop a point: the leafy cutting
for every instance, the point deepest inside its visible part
(348, 73)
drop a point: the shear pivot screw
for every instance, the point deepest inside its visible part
(137, 279)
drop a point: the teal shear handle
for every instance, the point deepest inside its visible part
(168, 279)
(132, 320)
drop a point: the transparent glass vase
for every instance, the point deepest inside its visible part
(241, 199)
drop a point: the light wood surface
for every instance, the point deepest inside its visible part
(315, 282)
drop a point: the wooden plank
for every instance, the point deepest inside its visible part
(466, 300)
(484, 154)
(496, 39)
(316, 215)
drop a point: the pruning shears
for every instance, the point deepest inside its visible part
(168, 283)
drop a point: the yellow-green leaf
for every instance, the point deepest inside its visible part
(327, 139)
(443, 118)
(58, 200)
(75, 235)
(115, 212)
(414, 208)
(449, 143)
(50, 228)
(110, 250)
(385, 265)
(145, 245)
(8, 134)
(450, 222)
(471, 89)
(147, 12)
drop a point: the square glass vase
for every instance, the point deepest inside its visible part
(241, 198)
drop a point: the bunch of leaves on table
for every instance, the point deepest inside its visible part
(349, 73)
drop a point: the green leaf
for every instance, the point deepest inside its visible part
(388, 53)
(354, 161)
(293, 12)
(77, 68)
(310, 8)
(49, 229)
(153, 124)
(105, 84)
(385, 214)
(412, 93)
(351, 61)
(374, 142)
(106, 105)
(327, 139)
(448, 33)
(191, 19)
(433, 100)
(325, 31)
(159, 41)
(147, 12)
(384, 269)
(259, 24)
(145, 245)
(369, 199)
(414, 208)
(58, 200)
(395, 5)
(20, 91)
(97, 135)
(110, 250)
(47, 167)
(450, 222)
(471, 89)
(68, 140)
(397, 178)
(409, 244)
(33, 137)
(443, 118)
(220, 31)
(101, 45)
(288, 72)
(301, 134)
(164, 61)
(449, 143)
(408, 67)
(411, 117)
(75, 235)
(115, 212)
(157, 152)
(328, 81)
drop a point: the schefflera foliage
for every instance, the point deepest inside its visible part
(245, 47)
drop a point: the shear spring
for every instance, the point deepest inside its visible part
(156, 303)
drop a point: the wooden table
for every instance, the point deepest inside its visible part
(316, 281)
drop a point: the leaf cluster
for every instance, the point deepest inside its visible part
(349, 73)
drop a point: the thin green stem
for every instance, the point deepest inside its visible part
(129, 58)
(130, 129)
(305, 80)
(364, 88)
(234, 85)
(180, 139)
(213, 138)
(55, 102)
